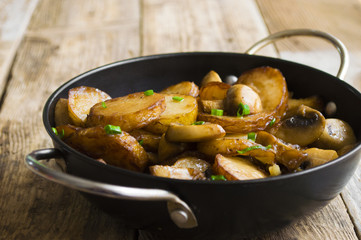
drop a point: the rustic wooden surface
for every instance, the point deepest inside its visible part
(43, 43)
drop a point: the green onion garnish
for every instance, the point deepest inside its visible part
(111, 129)
(54, 130)
(178, 99)
(61, 134)
(217, 112)
(149, 92)
(253, 148)
(141, 142)
(251, 136)
(104, 105)
(243, 110)
(198, 123)
(218, 177)
(272, 122)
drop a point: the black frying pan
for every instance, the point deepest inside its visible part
(205, 209)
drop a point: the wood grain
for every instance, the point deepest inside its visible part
(340, 19)
(47, 58)
(11, 32)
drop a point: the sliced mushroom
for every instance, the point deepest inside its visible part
(176, 172)
(336, 135)
(194, 133)
(302, 126)
(192, 162)
(318, 156)
(167, 150)
(240, 93)
(292, 159)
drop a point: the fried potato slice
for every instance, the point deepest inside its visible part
(148, 140)
(227, 145)
(206, 106)
(271, 86)
(121, 150)
(211, 76)
(176, 172)
(129, 112)
(182, 112)
(194, 133)
(183, 88)
(61, 113)
(214, 91)
(236, 168)
(81, 99)
(314, 102)
(318, 156)
(64, 131)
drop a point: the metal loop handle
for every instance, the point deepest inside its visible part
(178, 210)
(342, 50)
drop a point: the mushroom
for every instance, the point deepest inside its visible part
(336, 135)
(240, 93)
(302, 126)
(211, 76)
(194, 133)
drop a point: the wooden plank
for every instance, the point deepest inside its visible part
(217, 25)
(339, 18)
(203, 26)
(30, 207)
(15, 16)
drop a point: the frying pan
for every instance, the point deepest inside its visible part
(174, 208)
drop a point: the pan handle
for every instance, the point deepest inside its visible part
(342, 50)
(180, 213)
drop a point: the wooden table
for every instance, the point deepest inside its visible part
(44, 43)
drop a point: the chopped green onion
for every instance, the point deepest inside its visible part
(243, 110)
(149, 92)
(218, 177)
(61, 134)
(217, 112)
(104, 105)
(272, 122)
(54, 130)
(198, 123)
(178, 99)
(251, 136)
(253, 148)
(111, 129)
(141, 141)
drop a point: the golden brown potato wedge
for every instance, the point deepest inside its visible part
(236, 168)
(270, 85)
(176, 172)
(120, 150)
(182, 88)
(227, 145)
(148, 140)
(129, 112)
(314, 102)
(183, 112)
(64, 131)
(61, 113)
(206, 106)
(194, 133)
(214, 91)
(211, 76)
(81, 99)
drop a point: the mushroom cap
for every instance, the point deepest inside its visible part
(302, 126)
(240, 93)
